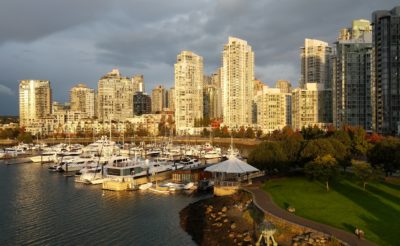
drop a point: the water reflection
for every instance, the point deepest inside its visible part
(38, 207)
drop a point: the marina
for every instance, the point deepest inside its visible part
(48, 208)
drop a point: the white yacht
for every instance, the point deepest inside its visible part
(46, 156)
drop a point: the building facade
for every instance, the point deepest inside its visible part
(386, 71)
(158, 99)
(188, 91)
(237, 77)
(352, 76)
(115, 96)
(138, 83)
(316, 63)
(311, 106)
(141, 103)
(82, 98)
(35, 100)
(271, 108)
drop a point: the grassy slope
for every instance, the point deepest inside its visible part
(376, 211)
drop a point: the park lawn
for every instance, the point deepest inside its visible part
(345, 206)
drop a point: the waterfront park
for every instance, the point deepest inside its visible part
(344, 178)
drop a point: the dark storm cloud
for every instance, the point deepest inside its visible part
(80, 40)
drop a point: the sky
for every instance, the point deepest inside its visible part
(74, 41)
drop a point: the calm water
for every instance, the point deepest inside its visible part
(42, 208)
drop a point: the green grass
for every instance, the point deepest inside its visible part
(345, 206)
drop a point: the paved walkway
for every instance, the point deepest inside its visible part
(265, 203)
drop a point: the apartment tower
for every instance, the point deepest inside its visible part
(188, 91)
(237, 79)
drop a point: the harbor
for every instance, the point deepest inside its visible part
(49, 209)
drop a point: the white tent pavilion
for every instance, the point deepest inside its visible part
(231, 169)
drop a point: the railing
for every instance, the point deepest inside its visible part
(251, 176)
(226, 183)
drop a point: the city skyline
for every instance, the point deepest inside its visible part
(138, 38)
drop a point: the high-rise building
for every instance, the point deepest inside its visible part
(358, 29)
(284, 86)
(115, 96)
(316, 63)
(158, 99)
(311, 106)
(34, 100)
(188, 91)
(138, 83)
(171, 99)
(386, 71)
(141, 103)
(237, 77)
(212, 101)
(271, 109)
(82, 98)
(352, 76)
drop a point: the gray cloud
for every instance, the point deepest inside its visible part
(80, 40)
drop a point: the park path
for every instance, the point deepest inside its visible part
(263, 201)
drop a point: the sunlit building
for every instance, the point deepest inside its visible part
(271, 107)
(311, 106)
(316, 63)
(82, 98)
(188, 91)
(34, 100)
(352, 76)
(158, 99)
(237, 77)
(115, 96)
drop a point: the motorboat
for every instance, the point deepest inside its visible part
(189, 163)
(145, 186)
(46, 156)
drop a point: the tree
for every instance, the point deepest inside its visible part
(268, 156)
(322, 168)
(249, 133)
(312, 132)
(259, 133)
(387, 154)
(292, 146)
(315, 148)
(365, 172)
(25, 137)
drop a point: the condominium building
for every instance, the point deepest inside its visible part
(284, 86)
(316, 63)
(311, 106)
(138, 83)
(212, 101)
(171, 99)
(141, 103)
(82, 99)
(271, 108)
(188, 91)
(352, 76)
(237, 77)
(34, 100)
(386, 71)
(115, 96)
(158, 99)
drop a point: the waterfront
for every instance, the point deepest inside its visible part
(42, 208)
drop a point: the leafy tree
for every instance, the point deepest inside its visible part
(341, 153)
(387, 154)
(259, 133)
(268, 156)
(25, 137)
(365, 172)
(312, 132)
(322, 168)
(249, 133)
(359, 144)
(315, 148)
(205, 132)
(292, 146)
